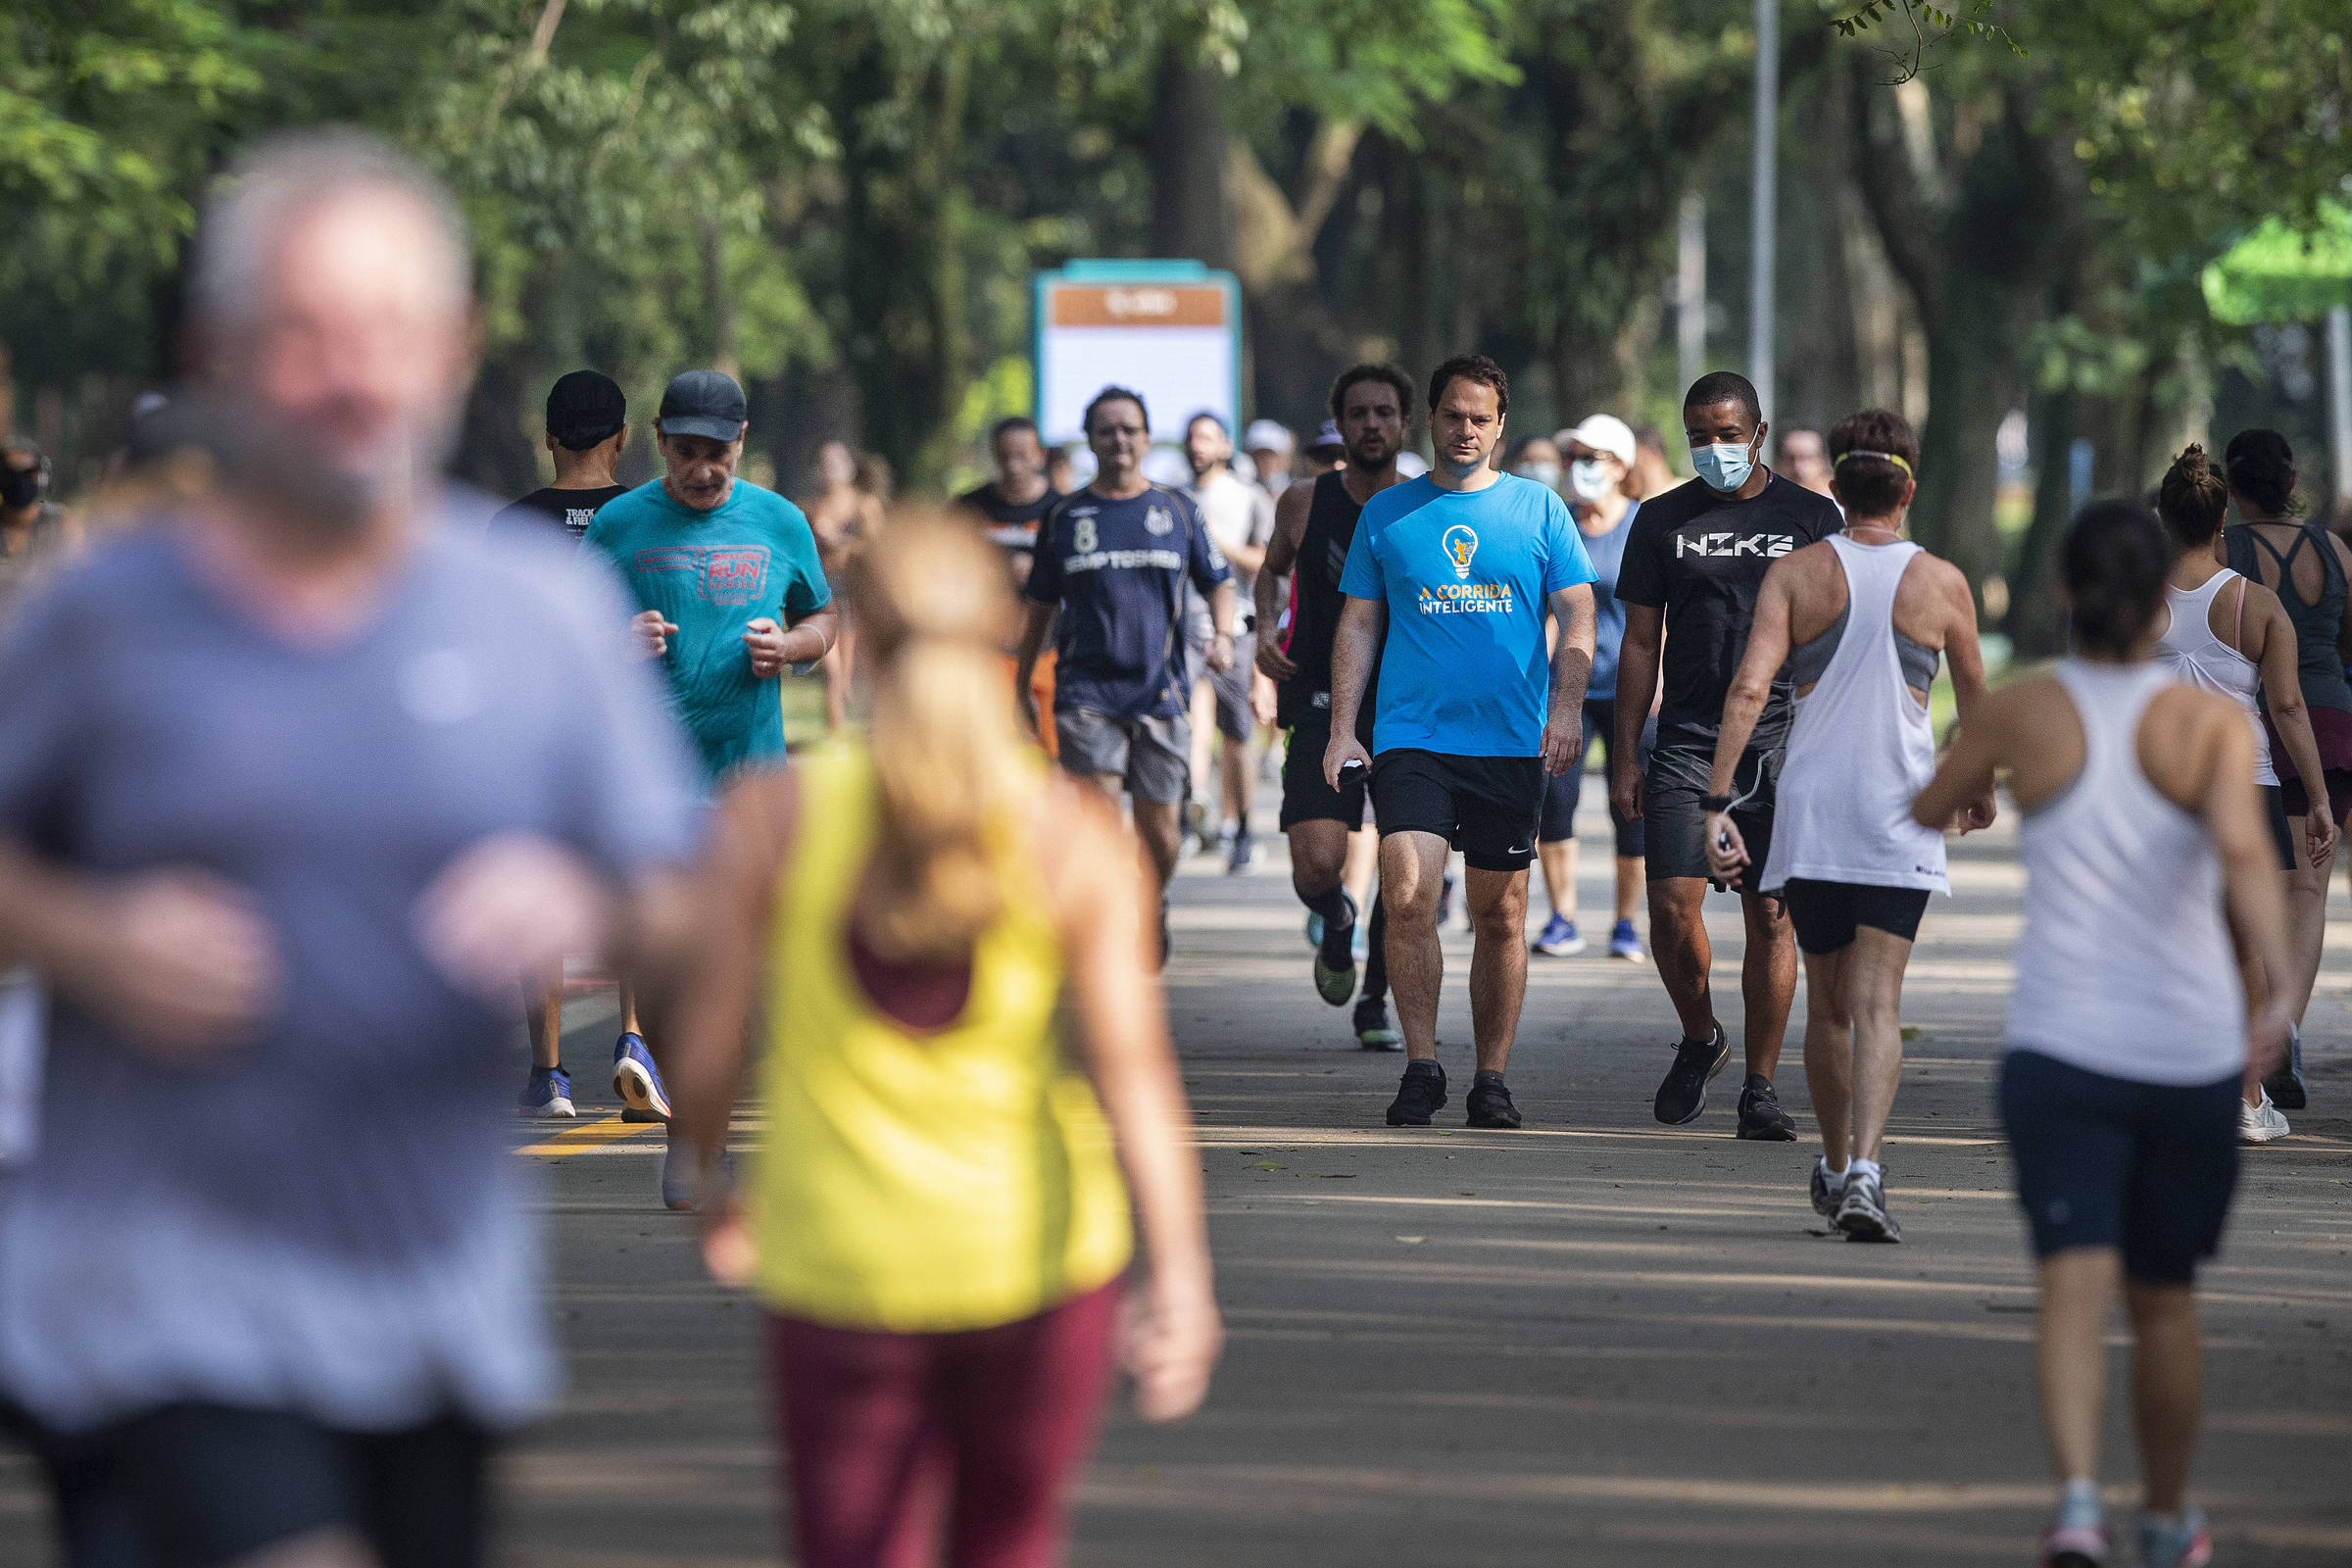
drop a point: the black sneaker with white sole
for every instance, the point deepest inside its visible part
(1419, 1095)
(1862, 1211)
(1684, 1093)
(1761, 1118)
(1490, 1103)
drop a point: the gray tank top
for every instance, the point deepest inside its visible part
(2318, 667)
(1809, 661)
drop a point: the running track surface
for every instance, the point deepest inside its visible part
(1596, 1341)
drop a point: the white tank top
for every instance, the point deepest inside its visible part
(2125, 966)
(2199, 658)
(1860, 750)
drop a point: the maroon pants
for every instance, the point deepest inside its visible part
(887, 1433)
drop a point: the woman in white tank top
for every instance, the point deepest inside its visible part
(1858, 620)
(2228, 635)
(2148, 868)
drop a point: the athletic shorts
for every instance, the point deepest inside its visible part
(213, 1483)
(1673, 808)
(2295, 801)
(2331, 729)
(1154, 756)
(1235, 720)
(1306, 796)
(2145, 1168)
(1826, 914)
(1484, 806)
(1564, 793)
(2283, 835)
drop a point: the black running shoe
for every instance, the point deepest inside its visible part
(1335, 958)
(1684, 1094)
(1419, 1094)
(1490, 1103)
(1761, 1118)
(1825, 1197)
(1862, 1211)
(2287, 1084)
(1373, 1031)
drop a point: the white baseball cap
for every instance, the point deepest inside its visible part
(1602, 433)
(1265, 435)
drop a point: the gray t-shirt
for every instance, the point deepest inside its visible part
(331, 1219)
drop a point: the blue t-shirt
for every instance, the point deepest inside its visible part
(1117, 568)
(1467, 576)
(1606, 552)
(713, 574)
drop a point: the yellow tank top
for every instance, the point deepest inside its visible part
(920, 1182)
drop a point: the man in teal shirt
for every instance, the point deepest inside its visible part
(729, 589)
(725, 576)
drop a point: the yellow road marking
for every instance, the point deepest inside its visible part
(595, 1135)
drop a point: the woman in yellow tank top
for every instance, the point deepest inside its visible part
(964, 1052)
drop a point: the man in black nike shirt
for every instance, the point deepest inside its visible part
(1010, 504)
(587, 425)
(1692, 567)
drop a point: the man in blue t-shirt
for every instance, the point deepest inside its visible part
(1450, 577)
(1113, 559)
(729, 589)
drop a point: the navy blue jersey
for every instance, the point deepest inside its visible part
(1118, 570)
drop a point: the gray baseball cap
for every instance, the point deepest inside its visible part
(704, 403)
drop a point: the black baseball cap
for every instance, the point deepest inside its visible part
(705, 403)
(585, 408)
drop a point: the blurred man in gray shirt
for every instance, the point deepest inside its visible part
(296, 786)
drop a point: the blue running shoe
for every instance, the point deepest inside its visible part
(1559, 939)
(546, 1094)
(1623, 944)
(638, 1082)
(1314, 929)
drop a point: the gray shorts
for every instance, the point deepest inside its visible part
(1235, 720)
(1154, 756)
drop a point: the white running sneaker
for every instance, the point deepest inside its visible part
(2259, 1124)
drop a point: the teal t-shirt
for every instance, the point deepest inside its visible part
(713, 574)
(1467, 577)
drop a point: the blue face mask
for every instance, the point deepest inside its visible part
(1725, 466)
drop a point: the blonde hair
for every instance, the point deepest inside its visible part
(934, 602)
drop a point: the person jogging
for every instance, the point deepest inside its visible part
(587, 422)
(962, 1044)
(1314, 527)
(1694, 567)
(1012, 505)
(36, 534)
(297, 787)
(2147, 862)
(2226, 635)
(1240, 518)
(729, 590)
(1859, 621)
(1448, 583)
(1113, 560)
(2310, 569)
(1600, 454)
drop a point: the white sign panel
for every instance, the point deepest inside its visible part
(1176, 341)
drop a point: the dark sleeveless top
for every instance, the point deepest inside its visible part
(1305, 697)
(2318, 667)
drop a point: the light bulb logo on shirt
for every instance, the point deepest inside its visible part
(1461, 543)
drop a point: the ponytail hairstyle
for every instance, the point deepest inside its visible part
(1873, 454)
(2114, 561)
(2194, 500)
(934, 606)
(2261, 470)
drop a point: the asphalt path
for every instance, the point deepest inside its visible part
(1595, 1340)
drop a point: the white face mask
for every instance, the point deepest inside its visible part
(1725, 466)
(1590, 480)
(1547, 475)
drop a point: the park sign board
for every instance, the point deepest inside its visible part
(1169, 329)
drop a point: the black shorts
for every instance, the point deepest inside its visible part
(1564, 793)
(1826, 914)
(2282, 836)
(213, 1483)
(1673, 806)
(2145, 1168)
(1484, 806)
(1306, 796)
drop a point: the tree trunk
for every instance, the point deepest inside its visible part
(1189, 216)
(2035, 624)
(1972, 354)
(495, 452)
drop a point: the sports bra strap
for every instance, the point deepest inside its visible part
(2237, 627)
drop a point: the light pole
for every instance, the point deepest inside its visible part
(1760, 301)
